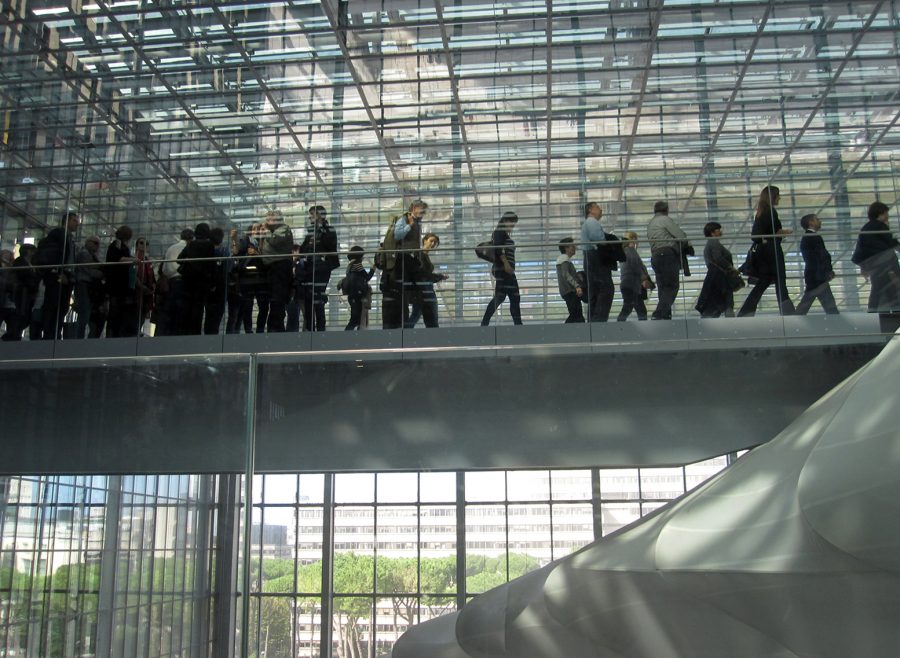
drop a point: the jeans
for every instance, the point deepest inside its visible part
(506, 286)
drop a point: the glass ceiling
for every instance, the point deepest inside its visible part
(164, 113)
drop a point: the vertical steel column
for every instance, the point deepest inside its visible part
(460, 539)
(227, 550)
(595, 503)
(248, 504)
(109, 559)
(327, 608)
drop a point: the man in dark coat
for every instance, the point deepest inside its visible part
(876, 255)
(817, 271)
(58, 250)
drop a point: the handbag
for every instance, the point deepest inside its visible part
(735, 280)
(750, 268)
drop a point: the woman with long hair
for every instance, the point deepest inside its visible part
(767, 234)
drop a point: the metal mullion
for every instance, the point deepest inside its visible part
(326, 604)
(461, 552)
(181, 509)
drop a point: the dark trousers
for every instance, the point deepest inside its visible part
(821, 292)
(124, 315)
(506, 286)
(600, 288)
(786, 306)
(214, 312)
(393, 304)
(632, 300)
(280, 274)
(314, 298)
(57, 298)
(356, 306)
(573, 304)
(424, 305)
(666, 266)
(884, 295)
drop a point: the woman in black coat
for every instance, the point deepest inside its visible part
(767, 234)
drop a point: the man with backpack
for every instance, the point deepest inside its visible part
(399, 258)
(57, 249)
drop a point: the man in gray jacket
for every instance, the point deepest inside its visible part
(667, 241)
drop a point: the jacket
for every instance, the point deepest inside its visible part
(633, 272)
(817, 261)
(566, 276)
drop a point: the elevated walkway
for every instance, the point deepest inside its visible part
(618, 394)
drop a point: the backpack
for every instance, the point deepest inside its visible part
(486, 251)
(386, 257)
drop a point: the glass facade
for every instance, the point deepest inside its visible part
(163, 115)
(151, 565)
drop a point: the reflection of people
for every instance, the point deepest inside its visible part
(876, 255)
(817, 271)
(634, 280)
(716, 296)
(425, 280)
(767, 234)
(567, 278)
(504, 270)
(667, 241)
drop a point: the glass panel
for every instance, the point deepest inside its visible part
(398, 487)
(281, 489)
(616, 515)
(528, 485)
(437, 487)
(485, 486)
(354, 488)
(354, 546)
(619, 484)
(573, 527)
(571, 485)
(485, 547)
(354, 621)
(696, 474)
(661, 483)
(529, 545)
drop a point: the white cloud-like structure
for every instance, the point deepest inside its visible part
(793, 551)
